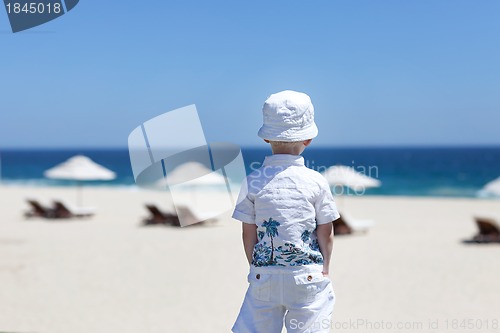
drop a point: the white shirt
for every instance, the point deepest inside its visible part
(286, 200)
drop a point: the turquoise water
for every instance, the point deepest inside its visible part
(448, 172)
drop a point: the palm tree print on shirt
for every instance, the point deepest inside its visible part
(271, 231)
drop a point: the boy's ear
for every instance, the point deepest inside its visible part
(307, 142)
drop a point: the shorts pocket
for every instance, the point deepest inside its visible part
(308, 285)
(260, 286)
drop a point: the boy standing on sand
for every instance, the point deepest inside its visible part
(287, 210)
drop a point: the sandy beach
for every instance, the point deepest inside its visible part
(409, 273)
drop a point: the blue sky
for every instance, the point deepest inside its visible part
(379, 72)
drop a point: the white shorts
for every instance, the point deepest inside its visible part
(300, 297)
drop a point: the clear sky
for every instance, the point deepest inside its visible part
(379, 72)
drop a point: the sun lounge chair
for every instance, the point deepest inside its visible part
(489, 230)
(65, 210)
(189, 217)
(159, 217)
(340, 227)
(38, 210)
(346, 225)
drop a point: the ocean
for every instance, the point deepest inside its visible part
(410, 171)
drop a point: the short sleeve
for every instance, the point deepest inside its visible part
(326, 209)
(245, 209)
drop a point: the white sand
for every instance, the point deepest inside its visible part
(110, 274)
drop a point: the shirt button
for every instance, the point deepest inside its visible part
(258, 276)
(309, 278)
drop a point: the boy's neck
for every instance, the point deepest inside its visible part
(289, 148)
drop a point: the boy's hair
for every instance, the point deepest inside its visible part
(286, 144)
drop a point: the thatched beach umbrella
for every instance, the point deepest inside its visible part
(79, 168)
(492, 188)
(341, 175)
(192, 174)
(196, 174)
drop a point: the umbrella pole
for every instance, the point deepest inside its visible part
(340, 201)
(338, 198)
(79, 194)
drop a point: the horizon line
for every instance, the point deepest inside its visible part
(318, 146)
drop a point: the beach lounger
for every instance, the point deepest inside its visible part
(38, 210)
(489, 230)
(65, 210)
(346, 225)
(189, 217)
(340, 227)
(159, 217)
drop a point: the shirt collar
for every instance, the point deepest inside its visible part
(283, 160)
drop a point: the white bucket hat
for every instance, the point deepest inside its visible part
(288, 116)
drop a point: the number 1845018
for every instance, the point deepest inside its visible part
(33, 8)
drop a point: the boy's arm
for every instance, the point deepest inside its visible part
(249, 239)
(325, 241)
